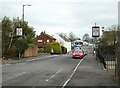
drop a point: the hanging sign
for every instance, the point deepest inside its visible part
(19, 31)
(95, 31)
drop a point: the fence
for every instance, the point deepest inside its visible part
(107, 60)
(31, 51)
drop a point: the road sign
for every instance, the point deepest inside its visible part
(19, 32)
(95, 31)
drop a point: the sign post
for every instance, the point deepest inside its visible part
(19, 33)
(95, 34)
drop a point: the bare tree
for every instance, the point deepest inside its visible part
(64, 36)
(71, 37)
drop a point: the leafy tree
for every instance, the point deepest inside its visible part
(107, 41)
(10, 39)
(109, 36)
(6, 34)
(86, 37)
(28, 32)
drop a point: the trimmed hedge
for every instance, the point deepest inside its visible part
(55, 46)
(64, 50)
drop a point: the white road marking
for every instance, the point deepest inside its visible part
(9, 78)
(54, 74)
(20, 74)
(31, 60)
(6, 65)
(72, 74)
(20, 63)
(15, 76)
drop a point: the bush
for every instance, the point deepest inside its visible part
(48, 48)
(41, 50)
(57, 49)
(64, 50)
(108, 49)
(55, 46)
(12, 52)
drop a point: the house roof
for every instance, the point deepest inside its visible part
(48, 36)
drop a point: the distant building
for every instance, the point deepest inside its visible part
(41, 40)
(77, 43)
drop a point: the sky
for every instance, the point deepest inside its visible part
(63, 16)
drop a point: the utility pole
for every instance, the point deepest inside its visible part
(118, 49)
(0, 40)
(23, 10)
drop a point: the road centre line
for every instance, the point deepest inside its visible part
(54, 75)
(72, 74)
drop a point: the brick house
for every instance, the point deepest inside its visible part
(41, 40)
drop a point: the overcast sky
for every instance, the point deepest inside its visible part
(63, 16)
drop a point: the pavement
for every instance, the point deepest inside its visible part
(92, 73)
(14, 61)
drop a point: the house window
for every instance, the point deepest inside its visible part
(39, 41)
(48, 41)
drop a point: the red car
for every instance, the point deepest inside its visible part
(78, 54)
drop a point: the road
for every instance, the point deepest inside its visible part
(60, 70)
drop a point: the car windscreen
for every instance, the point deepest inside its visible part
(78, 51)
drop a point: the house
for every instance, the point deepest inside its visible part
(62, 42)
(41, 40)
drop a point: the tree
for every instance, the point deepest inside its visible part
(109, 35)
(28, 32)
(6, 34)
(108, 39)
(64, 36)
(71, 37)
(10, 39)
(86, 37)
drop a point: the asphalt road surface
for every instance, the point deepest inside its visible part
(60, 70)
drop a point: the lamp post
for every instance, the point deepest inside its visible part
(23, 10)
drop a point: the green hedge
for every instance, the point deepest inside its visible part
(55, 46)
(64, 50)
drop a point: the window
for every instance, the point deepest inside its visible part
(48, 40)
(39, 41)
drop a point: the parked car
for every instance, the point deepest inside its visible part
(78, 54)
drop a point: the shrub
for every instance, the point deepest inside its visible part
(12, 52)
(55, 46)
(48, 47)
(64, 50)
(57, 49)
(108, 49)
(41, 50)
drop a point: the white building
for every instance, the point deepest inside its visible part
(62, 42)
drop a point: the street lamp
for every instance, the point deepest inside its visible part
(23, 10)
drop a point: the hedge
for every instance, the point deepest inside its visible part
(55, 46)
(64, 50)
